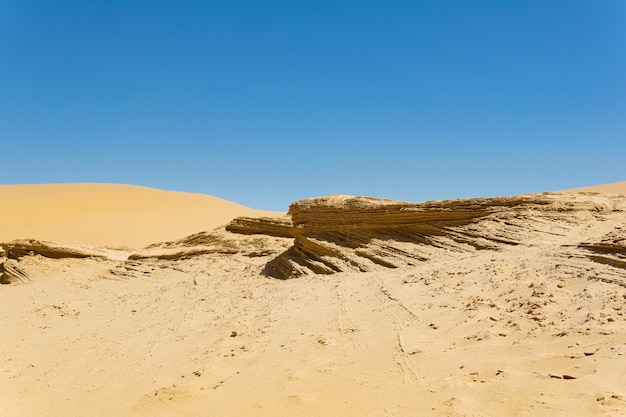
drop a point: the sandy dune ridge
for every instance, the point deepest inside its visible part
(506, 306)
(110, 214)
(612, 188)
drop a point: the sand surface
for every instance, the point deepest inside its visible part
(615, 188)
(109, 214)
(193, 327)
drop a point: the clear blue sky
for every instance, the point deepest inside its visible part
(265, 102)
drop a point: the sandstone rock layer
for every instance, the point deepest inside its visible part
(344, 233)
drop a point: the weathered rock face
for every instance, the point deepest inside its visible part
(24, 247)
(269, 226)
(345, 233)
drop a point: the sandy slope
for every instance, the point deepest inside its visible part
(534, 326)
(616, 187)
(109, 214)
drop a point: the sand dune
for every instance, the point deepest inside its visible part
(616, 187)
(109, 214)
(503, 306)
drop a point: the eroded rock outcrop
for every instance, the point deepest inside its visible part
(270, 226)
(19, 248)
(344, 233)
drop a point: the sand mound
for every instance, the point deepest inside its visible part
(615, 188)
(109, 214)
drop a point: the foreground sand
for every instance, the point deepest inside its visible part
(535, 328)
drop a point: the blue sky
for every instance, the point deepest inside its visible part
(267, 102)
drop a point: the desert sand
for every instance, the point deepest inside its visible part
(348, 306)
(613, 188)
(110, 214)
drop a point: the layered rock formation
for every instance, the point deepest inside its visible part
(277, 227)
(344, 233)
(24, 247)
